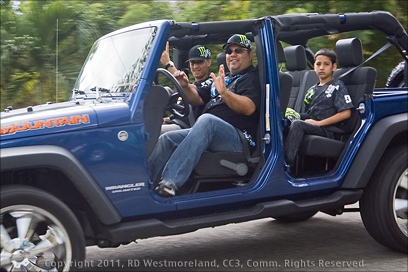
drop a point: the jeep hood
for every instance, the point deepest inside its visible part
(61, 117)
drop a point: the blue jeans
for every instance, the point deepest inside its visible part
(178, 152)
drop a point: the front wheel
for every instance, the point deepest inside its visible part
(38, 232)
(383, 206)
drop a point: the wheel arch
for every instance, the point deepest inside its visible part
(389, 131)
(38, 159)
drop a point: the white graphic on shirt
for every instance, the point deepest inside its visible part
(331, 89)
(347, 98)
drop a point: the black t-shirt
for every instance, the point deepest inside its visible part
(247, 84)
(326, 101)
(203, 83)
(329, 99)
(201, 87)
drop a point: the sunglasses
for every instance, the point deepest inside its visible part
(238, 50)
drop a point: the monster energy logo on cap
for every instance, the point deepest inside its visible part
(243, 38)
(199, 52)
(240, 40)
(204, 52)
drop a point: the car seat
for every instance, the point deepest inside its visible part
(303, 78)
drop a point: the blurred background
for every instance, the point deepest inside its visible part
(45, 42)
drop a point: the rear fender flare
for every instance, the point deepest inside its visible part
(373, 148)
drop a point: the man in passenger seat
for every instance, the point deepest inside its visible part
(327, 104)
(231, 102)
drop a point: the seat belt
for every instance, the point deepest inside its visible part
(301, 93)
(245, 145)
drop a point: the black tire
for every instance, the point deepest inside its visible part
(43, 220)
(396, 78)
(293, 218)
(383, 204)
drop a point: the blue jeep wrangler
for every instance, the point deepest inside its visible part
(75, 174)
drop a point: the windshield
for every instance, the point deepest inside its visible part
(114, 64)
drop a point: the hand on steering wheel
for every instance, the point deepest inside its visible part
(179, 108)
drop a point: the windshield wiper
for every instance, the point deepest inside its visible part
(103, 90)
(76, 92)
(99, 91)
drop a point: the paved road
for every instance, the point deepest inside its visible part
(323, 243)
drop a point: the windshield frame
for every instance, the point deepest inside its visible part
(117, 52)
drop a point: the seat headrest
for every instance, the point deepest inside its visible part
(349, 52)
(221, 59)
(280, 53)
(295, 58)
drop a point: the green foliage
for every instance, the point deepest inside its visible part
(29, 34)
(141, 11)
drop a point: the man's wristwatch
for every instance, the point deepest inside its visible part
(170, 64)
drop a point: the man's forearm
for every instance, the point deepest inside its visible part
(191, 93)
(238, 103)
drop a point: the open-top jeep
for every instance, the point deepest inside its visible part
(75, 173)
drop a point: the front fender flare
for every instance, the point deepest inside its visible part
(62, 160)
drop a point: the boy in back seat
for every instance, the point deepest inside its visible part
(327, 104)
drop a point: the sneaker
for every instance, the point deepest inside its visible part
(165, 188)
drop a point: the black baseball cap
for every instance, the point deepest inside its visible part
(238, 39)
(199, 52)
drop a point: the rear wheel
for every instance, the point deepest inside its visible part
(38, 232)
(383, 205)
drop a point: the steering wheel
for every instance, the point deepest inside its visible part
(181, 109)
